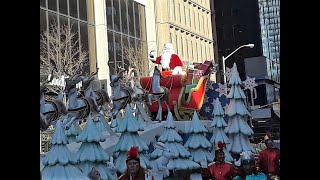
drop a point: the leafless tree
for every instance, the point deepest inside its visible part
(61, 53)
(135, 59)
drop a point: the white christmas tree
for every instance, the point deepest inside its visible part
(197, 143)
(102, 124)
(238, 129)
(73, 132)
(115, 121)
(218, 134)
(59, 163)
(90, 153)
(129, 128)
(181, 159)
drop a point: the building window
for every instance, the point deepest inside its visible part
(73, 8)
(53, 14)
(52, 5)
(63, 7)
(43, 3)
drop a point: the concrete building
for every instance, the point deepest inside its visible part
(187, 25)
(103, 28)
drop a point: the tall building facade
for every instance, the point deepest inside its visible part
(249, 21)
(187, 25)
(269, 13)
(103, 28)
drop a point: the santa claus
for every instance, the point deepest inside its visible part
(168, 60)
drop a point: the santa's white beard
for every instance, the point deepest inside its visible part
(165, 60)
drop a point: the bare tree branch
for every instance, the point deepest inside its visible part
(135, 60)
(61, 52)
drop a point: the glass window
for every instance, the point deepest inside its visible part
(52, 5)
(124, 18)
(83, 9)
(43, 3)
(84, 36)
(73, 8)
(110, 12)
(131, 18)
(111, 61)
(137, 10)
(132, 42)
(116, 15)
(74, 29)
(118, 47)
(63, 7)
(43, 21)
(125, 44)
(52, 18)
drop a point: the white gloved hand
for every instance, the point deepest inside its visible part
(152, 55)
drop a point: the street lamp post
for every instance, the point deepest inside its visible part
(224, 59)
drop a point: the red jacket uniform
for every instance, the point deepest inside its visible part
(269, 161)
(221, 171)
(174, 61)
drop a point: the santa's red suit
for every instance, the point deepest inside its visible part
(221, 170)
(174, 61)
(269, 161)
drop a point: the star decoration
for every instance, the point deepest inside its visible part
(210, 85)
(207, 109)
(206, 99)
(249, 83)
(223, 89)
(228, 73)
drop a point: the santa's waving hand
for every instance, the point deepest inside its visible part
(168, 60)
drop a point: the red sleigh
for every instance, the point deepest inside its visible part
(184, 96)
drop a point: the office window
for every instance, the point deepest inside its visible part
(116, 15)
(43, 3)
(110, 10)
(52, 5)
(131, 18)
(73, 6)
(82, 9)
(63, 7)
(137, 11)
(124, 16)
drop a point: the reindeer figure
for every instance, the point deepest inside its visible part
(50, 110)
(100, 97)
(121, 95)
(159, 166)
(81, 107)
(159, 93)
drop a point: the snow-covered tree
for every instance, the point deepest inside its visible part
(218, 134)
(238, 129)
(197, 143)
(129, 127)
(181, 159)
(60, 163)
(90, 153)
(73, 132)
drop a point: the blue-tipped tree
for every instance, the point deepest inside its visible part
(218, 133)
(60, 163)
(197, 144)
(129, 127)
(181, 159)
(90, 153)
(238, 129)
